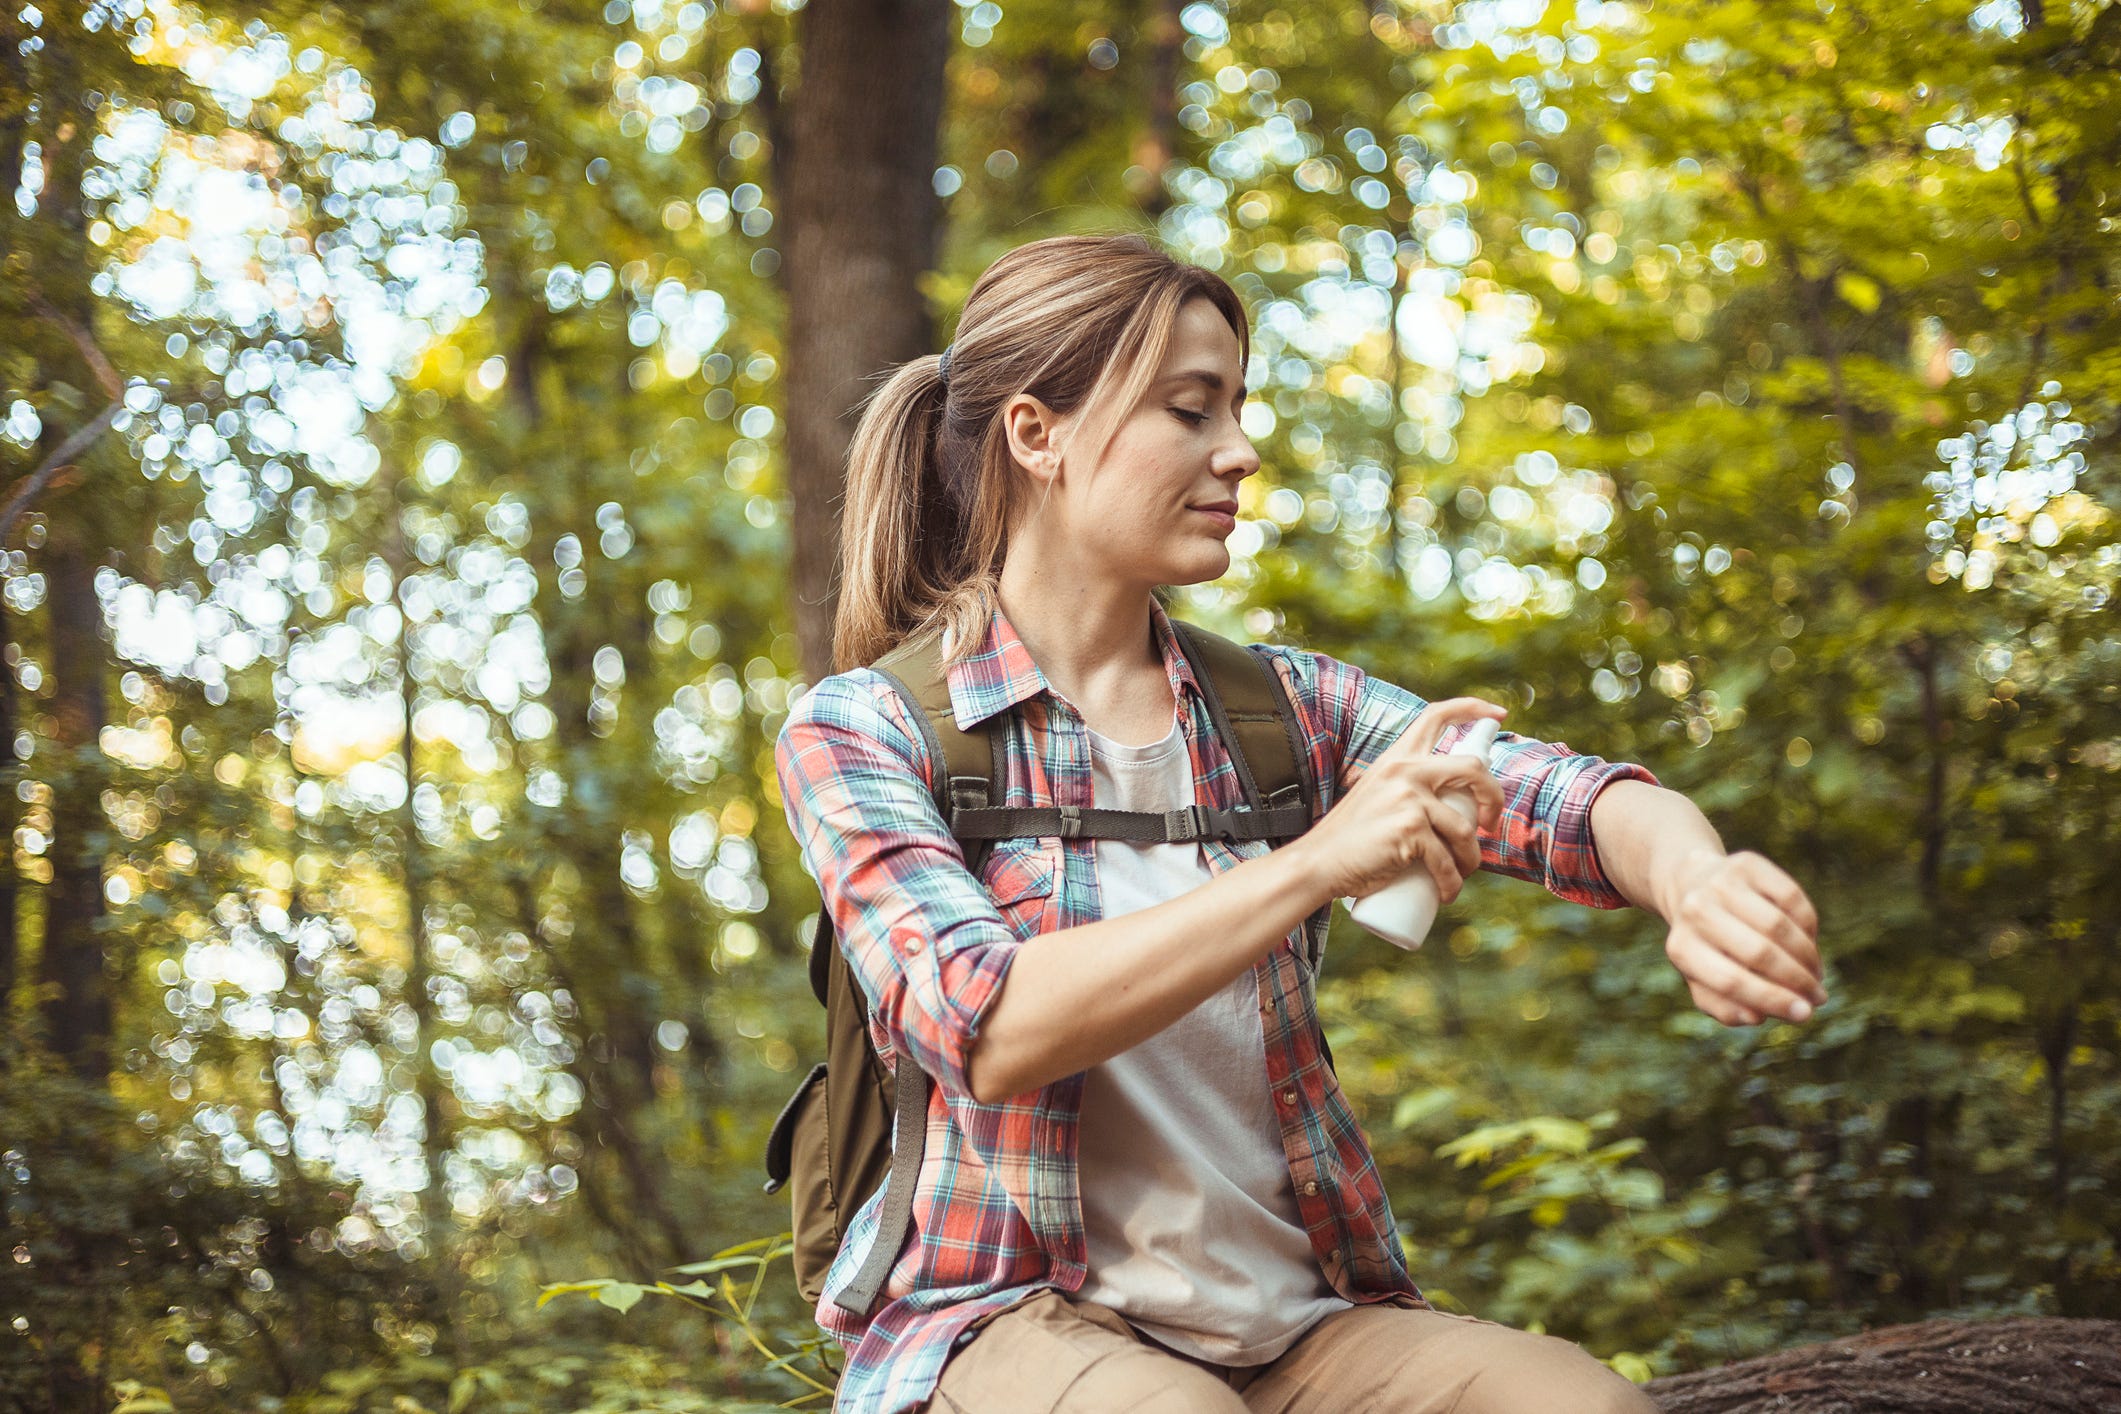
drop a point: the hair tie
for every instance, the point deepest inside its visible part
(942, 367)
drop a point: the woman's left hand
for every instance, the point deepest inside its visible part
(1746, 939)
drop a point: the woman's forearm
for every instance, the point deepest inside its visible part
(1743, 932)
(1645, 836)
(1079, 996)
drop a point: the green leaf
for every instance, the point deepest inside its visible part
(717, 1264)
(1414, 1108)
(755, 1243)
(620, 1296)
(1547, 1131)
(563, 1288)
(1631, 1366)
(1858, 290)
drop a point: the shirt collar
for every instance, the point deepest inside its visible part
(1001, 673)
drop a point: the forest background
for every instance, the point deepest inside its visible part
(422, 424)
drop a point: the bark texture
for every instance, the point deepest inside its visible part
(2017, 1365)
(77, 1009)
(855, 157)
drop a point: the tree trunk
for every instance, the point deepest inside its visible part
(78, 1010)
(1965, 1367)
(1157, 147)
(77, 1005)
(7, 834)
(858, 197)
(416, 872)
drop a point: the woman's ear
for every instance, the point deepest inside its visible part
(1031, 429)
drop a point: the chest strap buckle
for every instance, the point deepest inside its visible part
(1201, 822)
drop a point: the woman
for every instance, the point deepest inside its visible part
(1143, 1188)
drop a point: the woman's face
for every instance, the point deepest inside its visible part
(1162, 499)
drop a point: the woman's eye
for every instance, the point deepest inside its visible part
(1193, 419)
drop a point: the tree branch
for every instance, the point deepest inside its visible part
(84, 344)
(62, 456)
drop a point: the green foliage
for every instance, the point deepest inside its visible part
(808, 1362)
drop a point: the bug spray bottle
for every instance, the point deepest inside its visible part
(1402, 911)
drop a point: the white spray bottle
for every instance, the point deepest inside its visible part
(1402, 911)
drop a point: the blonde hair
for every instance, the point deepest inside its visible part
(1078, 322)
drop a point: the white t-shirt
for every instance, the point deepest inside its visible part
(1194, 1234)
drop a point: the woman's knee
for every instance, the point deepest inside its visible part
(1392, 1360)
(1476, 1366)
(1548, 1372)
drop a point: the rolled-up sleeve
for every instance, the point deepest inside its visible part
(1544, 833)
(922, 936)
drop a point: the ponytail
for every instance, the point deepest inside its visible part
(903, 529)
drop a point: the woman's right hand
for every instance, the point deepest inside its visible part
(1395, 817)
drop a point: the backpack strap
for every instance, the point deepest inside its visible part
(1250, 707)
(915, 669)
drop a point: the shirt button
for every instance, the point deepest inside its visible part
(1310, 1190)
(913, 945)
(1288, 1097)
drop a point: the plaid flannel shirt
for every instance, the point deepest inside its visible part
(996, 1211)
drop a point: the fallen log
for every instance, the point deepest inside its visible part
(2016, 1365)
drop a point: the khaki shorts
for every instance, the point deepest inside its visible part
(1051, 1354)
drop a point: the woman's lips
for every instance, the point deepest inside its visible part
(1226, 519)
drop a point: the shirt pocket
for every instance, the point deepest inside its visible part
(1023, 877)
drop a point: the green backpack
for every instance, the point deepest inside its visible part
(832, 1140)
